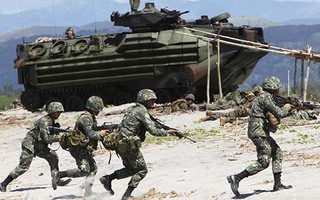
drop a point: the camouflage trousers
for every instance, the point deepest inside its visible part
(86, 164)
(267, 149)
(134, 165)
(30, 149)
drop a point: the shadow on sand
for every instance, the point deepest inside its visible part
(256, 192)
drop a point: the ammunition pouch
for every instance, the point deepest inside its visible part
(129, 144)
(74, 138)
(111, 141)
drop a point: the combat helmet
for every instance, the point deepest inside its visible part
(257, 90)
(271, 83)
(145, 95)
(55, 107)
(68, 29)
(95, 103)
(190, 96)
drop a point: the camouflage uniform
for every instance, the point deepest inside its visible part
(183, 104)
(231, 100)
(83, 153)
(239, 111)
(36, 144)
(259, 133)
(133, 127)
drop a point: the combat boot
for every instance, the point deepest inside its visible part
(3, 185)
(224, 120)
(127, 194)
(234, 181)
(203, 119)
(63, 182)
(277, 183)
(106, 182)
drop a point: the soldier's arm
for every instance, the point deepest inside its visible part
(275, 109)
(45, 133)
(87, 126)
(151, 126)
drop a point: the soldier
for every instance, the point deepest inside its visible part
(239, 111)
(183, 104)
(259, 129)
(82, 152)
(69, 33)
(133, 127)
(232, 99)
(36, 144)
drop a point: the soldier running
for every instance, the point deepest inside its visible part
(133, 127)
(82, 152)
(36, 144)
(259, 129)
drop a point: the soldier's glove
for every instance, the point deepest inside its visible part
(56, 125)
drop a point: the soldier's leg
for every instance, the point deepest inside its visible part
(81, 156)
(276, 155)
(263, 160)
(25, 160)
(138, 168)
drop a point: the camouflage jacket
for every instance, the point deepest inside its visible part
(85, 124)
(41, 131)
(264, 103)
(137, 121)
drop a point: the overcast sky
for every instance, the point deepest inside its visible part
(15, 6)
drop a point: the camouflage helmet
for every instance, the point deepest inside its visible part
(257, 89)
(190, 96)
(272, 83)
(95, 103)
(55, 107)
(145, 95)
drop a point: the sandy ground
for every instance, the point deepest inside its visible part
(178, 169)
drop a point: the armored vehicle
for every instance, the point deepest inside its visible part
(154, 54)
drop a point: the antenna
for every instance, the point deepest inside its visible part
(54, 19)
(94, 18)
(22, 25)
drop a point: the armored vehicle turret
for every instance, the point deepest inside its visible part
(154, 54)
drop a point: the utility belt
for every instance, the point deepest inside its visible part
(129, 141)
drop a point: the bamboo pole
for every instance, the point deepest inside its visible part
(288, 83)
(218, 68)
(295, 76)
(301, 78)
(257, 46)
(208, 73)
(307, 76)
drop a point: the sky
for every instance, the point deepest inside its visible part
(15, 6)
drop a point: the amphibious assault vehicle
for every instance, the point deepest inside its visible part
(154, 54)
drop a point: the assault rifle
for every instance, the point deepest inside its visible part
(281, 101)
(165, 127)
(57, 130)
(106, 126)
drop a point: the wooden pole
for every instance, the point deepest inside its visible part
(208, 73)
(288, 83)
(307, 76)
(302, 78)
(218, 67)
(295, 76)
